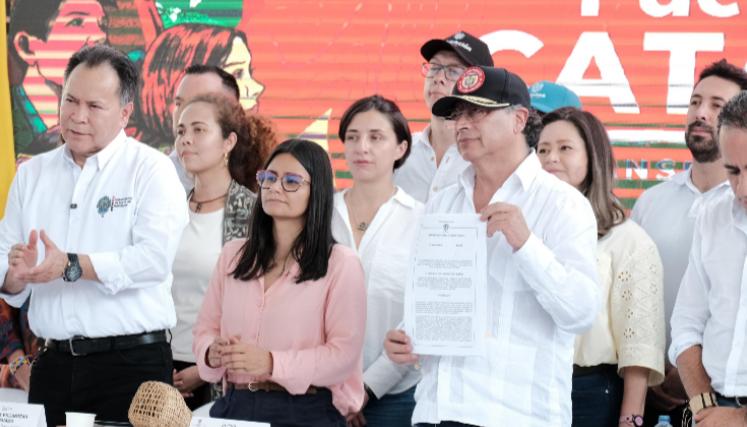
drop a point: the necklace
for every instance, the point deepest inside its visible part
(199, 204)
(363, 226)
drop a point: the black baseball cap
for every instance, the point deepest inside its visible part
(487, 87)
(473, 50)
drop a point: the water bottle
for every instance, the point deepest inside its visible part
(664, 421)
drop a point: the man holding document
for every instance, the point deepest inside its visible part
(536, 263)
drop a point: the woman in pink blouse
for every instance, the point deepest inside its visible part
(284, 318)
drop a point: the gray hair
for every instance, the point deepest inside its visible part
(533, 127)
(734, 113)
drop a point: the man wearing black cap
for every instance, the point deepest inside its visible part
(542, 278)
(434, 162)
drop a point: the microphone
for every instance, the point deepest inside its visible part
(158, 404)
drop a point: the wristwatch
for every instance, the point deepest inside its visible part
(632, 420)
(72, 271)
(371, 395)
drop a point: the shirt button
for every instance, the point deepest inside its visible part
(435, 188)
(259, 304)
(433, 159)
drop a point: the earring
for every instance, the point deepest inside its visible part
(225, 156)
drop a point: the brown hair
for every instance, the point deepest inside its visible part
(255, 137)
(726, 71)
(600, 176)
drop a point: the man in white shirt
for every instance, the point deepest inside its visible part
(109, 214)
(198, 80)
(542, 278)
(667, 212)
(709, 324)
(434, 161)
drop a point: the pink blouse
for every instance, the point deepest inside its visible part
(314, 330)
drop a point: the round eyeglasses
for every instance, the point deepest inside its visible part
(290, 182)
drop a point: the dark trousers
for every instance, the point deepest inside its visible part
(280, 409)
(597, 400)
(200, 395)
(445, 424)
(99, 383)
(392, 410)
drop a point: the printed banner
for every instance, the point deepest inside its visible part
(632, 62)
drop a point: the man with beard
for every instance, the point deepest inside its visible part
(668, 211)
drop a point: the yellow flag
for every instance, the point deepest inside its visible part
(7, 153)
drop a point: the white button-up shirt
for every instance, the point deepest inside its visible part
(667, 213)
(711, 308)
(539, 298)
(126, 210)
(384, 252)
(420, 177)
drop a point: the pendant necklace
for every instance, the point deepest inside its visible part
(199, 204)
(363, 226)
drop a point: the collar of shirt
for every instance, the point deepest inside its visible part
(102, 157)
(523, 175)
(685, 178)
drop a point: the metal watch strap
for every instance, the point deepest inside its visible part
(702, 401)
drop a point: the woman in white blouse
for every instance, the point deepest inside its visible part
(221, 149)
(377, 219)
(627, 339)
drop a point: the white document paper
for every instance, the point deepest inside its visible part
(218, 422)
(445, 298)
(22, 415)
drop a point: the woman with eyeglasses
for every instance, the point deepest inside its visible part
(623, 353)
(221, 148)
(284, 317)
(376, 219)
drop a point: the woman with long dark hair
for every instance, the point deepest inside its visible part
(221, 148)
(284, 317)
(376, 219)
(627, 339)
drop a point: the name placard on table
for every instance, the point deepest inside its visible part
(217, 422)
(22, 415)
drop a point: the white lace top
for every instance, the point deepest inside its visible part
(629, 330)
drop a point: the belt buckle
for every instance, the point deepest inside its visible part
(72, 347)
(739, 401)
(253, 386)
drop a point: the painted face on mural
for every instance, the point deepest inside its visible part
(706, 102)
(239, 65)
(79, 23)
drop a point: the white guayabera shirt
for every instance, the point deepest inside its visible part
(539, 298)
(126, 210)
(711, 308)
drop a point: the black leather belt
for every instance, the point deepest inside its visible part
(582, 371)
(739, 400)
(80, 346)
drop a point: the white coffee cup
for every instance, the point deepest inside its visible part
(78, 419)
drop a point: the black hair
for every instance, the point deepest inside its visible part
(734, 113)
(228, 80)
(36, 18)
(726, 71)
(94, 56)
(313, 246)
(387, 108)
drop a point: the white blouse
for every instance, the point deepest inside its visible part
(629, 330)
(195, 261)
(384, 252)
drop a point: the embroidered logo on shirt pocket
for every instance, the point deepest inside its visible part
(388, 275)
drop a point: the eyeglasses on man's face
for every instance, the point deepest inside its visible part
(472, 114)
(451, 72)
(290, 182)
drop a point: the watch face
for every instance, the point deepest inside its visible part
(73, 273)
(638, 421)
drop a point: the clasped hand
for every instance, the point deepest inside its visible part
(238, 357)
(509, 220)
(22, 261)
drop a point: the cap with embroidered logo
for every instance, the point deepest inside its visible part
(473, 50)
(487, 87)
(548, 97)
